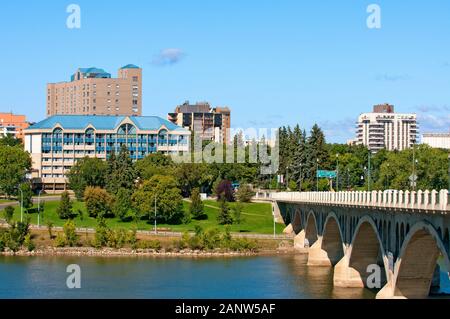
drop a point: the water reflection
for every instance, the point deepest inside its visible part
(317, 282)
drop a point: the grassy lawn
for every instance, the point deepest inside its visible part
(257, 218)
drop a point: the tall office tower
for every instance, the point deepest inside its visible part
(93, 91)
(11, 124)
(211, 124)
(385, 129)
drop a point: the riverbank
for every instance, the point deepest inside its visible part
(128, 252)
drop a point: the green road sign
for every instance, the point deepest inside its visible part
(326, 174)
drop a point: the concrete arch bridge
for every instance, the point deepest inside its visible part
(404, 233)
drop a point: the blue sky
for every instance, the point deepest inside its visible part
(272, 62)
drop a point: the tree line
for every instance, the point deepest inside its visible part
(301, 155)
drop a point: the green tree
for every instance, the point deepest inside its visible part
(154, 164)
(26, 195)
(10, 140)
(224, 217)
(237, 212)
(64, 209)
(14, 163)
(122, 173)
(196, 207)
(122, 207)
(169, 202)
(98, 202)
(87, 172)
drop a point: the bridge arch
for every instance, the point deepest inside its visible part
(332, 238)
(366, 249)
(417, 261)
(311, 229)
(297, 221)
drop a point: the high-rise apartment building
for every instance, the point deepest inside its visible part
(93, 91)
(13, 124)
(385, 129)
(211, 124)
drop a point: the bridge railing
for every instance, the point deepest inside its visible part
(422, 200)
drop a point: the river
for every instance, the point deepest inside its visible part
(265, 277)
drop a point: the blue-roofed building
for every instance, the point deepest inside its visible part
(58, 142)
(93, 91)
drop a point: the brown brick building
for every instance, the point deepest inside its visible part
(93, 91)
(211, 124)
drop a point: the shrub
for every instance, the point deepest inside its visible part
(50, 228)
(28, 243)
(150, 244)
(243, 244)
(245, 194)
(60, 241)
(14, 237)
(117, 238)
(70, 233)
(8, 214)
(195, 243)
(2, 242)
(101, 234)
(132, 238)
(211, 239)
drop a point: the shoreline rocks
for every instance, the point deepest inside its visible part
(127, 252)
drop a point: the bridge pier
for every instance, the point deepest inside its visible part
(317, 256)
(289, 230)
(299, 240)
(346, 276)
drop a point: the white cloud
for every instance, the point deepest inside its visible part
(168, 57)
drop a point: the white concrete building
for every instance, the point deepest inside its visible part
(385, 129)
(437, 140)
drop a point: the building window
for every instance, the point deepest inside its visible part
(135, 79)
